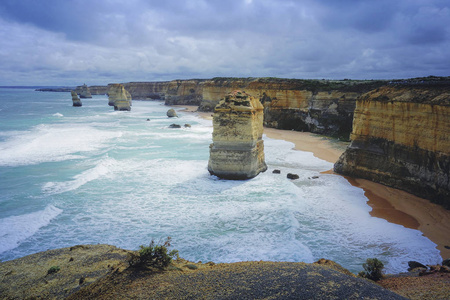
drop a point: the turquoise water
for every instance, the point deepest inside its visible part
(81, 175)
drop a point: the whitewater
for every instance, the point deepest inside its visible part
(89, 175)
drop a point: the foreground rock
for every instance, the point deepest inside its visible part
(75, 100)
(119, 97)
(28, 277)
(237, 151)
(401, 138)
(103, 272)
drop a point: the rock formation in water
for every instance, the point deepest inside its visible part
(119, 97)
(83, 91)
(237, 151)
(401, 138)
(75, 100)
(171, 113)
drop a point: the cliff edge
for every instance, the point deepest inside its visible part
(401, 138)
(102, 272)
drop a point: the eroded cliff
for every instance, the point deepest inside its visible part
(319, 106)
(401, 138)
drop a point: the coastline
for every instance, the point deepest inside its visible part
(391, 204)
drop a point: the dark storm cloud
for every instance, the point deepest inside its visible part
(151, 40)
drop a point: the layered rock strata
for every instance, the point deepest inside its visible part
(237, 151)
(319, 106)
(83, 91)
(75, 100)
(119, 97)
(401, 138)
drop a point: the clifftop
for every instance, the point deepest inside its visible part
(101, 272)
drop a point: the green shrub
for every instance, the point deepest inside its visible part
(155, 255)
(372, 269)
(53, 269)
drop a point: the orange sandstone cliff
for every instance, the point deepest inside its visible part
(401, 138)
(319, 106)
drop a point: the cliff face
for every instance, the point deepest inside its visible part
(237, 151)
(98, 89)
(184, 92)
(147, 90)
(401, 138)
(318, 106)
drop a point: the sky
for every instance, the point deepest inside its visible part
(71, 42)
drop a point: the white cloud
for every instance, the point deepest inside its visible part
(106, 41)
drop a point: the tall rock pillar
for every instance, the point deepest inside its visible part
(75, 100)
(237, 151)
(119, 97)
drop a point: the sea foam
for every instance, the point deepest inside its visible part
(49, 143)
(16, 229)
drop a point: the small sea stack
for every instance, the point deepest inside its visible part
(237, 151)
(75, 100)
(83, 91)
(119, 97)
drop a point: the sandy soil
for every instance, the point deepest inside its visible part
(391, 204)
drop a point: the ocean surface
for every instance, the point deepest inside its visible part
(88, 175)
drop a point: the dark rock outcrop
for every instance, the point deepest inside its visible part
(292, 176)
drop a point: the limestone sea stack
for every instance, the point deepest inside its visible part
(75, 100)
(237, 151)
(119, 97)
(84, 91)
(401, 138)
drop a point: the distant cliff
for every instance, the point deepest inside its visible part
(319, 106)
(401, 138)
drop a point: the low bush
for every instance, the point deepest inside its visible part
(373, 269)
(156, 255)
(53, 269)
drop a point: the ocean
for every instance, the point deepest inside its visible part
(89, 175)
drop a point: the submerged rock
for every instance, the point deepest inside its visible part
(171, 113)
(237, 151)
(119, 97)
(174, 126)
(75, 100)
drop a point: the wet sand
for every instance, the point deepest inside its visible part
(391, 204)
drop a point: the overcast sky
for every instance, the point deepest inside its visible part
(70, 42)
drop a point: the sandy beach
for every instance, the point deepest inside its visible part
(391, 204)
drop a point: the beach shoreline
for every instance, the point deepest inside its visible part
(395, 206)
